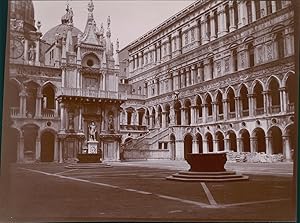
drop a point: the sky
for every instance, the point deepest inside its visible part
(129, 19)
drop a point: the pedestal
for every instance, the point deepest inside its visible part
(92, 147)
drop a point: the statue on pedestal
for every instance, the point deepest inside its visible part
(92, 131)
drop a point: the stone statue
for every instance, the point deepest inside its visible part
(111, 123)
(31, 53)
(92, 131)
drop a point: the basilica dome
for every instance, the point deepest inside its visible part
(50, 35)
(23, 10)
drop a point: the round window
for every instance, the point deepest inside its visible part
(90, 62)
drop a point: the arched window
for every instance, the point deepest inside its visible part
(236, 16)
(216, 22)
(269, 7)
(279, 41)
(211, 64)
(227, 17)
(249, 11)
(234, 60)
(257, 9)
(251, 54)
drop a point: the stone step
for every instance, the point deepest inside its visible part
(206, 173)
(87, 166)
(206, 176)
(240, 178)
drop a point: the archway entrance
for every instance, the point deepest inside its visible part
(188, 142)
(245, 141)
(260, 138)
(47, 147)
(232, 142)
(276, 140)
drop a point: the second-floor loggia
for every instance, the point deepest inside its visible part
(30, 100)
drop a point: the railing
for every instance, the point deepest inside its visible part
(93, 93)
(200, 120)
(133, 127)
(14, 112)
(245, 113)
(259, 111)
(48, 114)
(231, 115)
(209, 119)
(136, 96)
(220, 117)
(275, 109)
(291, 107)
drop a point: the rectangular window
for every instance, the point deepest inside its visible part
(269, 7)
(257, 9)
(249, 11)
(165, 145)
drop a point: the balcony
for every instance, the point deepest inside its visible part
(133, 127)
(48, 113)
(15, 112)
(220, 116)
(275, 109)
(79, 92)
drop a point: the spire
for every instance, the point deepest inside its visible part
(90, 9)
(117, 45)
(108, 33)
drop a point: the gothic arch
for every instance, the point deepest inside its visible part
(254, 83)
(248, 39)
(277, 27)
(238, 92)
(49, 83)
(272, 77)
(18, 83)
(228, 89)
(286, 76)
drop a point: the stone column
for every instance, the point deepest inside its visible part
(195, 147)
(38, 105)
(20, 148)
(240, 146)
(164, 120)
(253, 11)
(176, 78)
(226, 144)
(193, 115)
(205, 146)
(253, 144)
(158, 47)
(215, 113)
(287, 147)
(38, 147)
(62, 117)
(188, 76)
(170, 82)
(222, 21)
(183, 121)
(266, 102)
(61, 146)
(200, 73)
(204, 37)
(283, 99)
(26, 51)
(136, 61)
(269, 149)
(251, 104)
(212, 26)
(131, 67)
(225, 108)
(140, 56)
(204, 113)
(80, 119)
(237, 107)
(151, 121)
(56, 152)
(216, 145)
(193, 75)
(183, 80)
(37, 53)
(232, 26)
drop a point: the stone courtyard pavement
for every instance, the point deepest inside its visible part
(138, 191)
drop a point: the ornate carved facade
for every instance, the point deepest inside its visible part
(58, 84)
(218, 75)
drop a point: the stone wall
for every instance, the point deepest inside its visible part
(254, 157)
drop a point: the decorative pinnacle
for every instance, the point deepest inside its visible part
(117, 45)
(101, 29)
(108, 21)
(91, 6)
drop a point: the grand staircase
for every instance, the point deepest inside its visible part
(141, 147)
